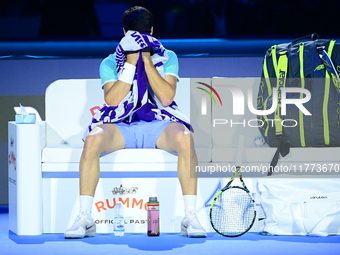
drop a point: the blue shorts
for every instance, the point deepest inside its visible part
(142, 134)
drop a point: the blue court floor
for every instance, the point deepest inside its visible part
(249, 243)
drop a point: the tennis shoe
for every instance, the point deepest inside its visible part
(191, 227)
(82, 227)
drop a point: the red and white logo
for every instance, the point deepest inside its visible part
(12, 160)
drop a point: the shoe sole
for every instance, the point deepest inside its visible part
(197, 235)
(74, 236)
(90, 233)
(184, 232)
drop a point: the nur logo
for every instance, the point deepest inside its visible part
(279, 98)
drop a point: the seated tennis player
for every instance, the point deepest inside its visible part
(139, 82)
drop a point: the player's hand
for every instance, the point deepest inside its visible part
(132, 58)
(146, 54)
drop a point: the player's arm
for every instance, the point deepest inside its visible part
(164, 89)
(115, 92)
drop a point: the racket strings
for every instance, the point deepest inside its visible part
(233, 212)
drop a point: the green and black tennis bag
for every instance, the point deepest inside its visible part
(313, 65)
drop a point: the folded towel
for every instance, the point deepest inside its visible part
(139, 103)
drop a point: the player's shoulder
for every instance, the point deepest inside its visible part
(171, 54)
(109, 61)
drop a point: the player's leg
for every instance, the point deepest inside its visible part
(177, 138)
(102, 139)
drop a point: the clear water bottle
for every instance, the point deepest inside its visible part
(118, 221)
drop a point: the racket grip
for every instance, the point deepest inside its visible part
(240, 146)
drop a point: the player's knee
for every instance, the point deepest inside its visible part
(184, 142)
(92, 144)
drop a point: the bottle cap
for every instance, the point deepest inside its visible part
(152, 199)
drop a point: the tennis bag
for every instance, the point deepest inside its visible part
(313, 65)
(295, 206)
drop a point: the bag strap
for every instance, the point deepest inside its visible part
(282, 69)
(325, 58)
(328, 63)
(281, 74)
(303, 85)
(275, 159)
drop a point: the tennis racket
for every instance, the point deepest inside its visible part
(232, 212)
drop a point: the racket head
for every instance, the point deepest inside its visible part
(232, 212)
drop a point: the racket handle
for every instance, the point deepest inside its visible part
(240, 146)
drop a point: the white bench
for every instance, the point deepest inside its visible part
(70, 105)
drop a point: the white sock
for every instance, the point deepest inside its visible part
(189, 203)
(86, 204)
